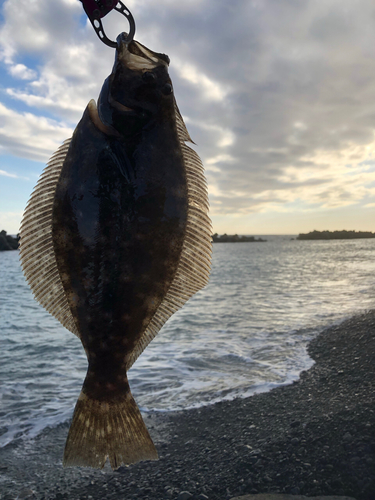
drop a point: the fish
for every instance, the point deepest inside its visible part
(115, 238)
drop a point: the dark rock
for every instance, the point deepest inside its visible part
(7, 242)
(335, 235)
(295, 424)
(225, 238)
(295, 490)
(184, 495)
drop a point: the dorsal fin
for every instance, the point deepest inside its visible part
(36, 246)
(195, 261)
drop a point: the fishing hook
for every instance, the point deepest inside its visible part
(96, 9)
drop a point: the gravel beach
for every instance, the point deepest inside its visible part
(313, 437)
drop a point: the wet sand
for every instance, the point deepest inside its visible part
(313, 437)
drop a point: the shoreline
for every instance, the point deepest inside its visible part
(313, 437)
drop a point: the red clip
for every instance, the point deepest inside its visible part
(96, 9)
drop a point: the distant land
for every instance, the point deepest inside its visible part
(234, 238)
(335, 235)
(7, 242)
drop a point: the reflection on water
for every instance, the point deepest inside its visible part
(245, 332)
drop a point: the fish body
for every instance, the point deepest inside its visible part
(114, 240)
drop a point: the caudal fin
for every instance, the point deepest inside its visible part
(102, 430)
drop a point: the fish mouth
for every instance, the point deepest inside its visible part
(137, 57)
(128, 93)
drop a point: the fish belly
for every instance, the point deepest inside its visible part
(119, 220)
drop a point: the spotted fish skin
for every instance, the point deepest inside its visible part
(118, 237)
(122, 239)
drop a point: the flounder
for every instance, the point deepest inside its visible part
(116, 238)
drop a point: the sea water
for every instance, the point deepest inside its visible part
(246, 332)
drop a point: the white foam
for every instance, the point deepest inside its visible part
(33, 426)
(245, 333)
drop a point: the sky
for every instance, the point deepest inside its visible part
(278, 95)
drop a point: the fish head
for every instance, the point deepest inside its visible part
(138, 89)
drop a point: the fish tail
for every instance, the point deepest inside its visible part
(101, 430)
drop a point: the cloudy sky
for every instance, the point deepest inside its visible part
(279, 96)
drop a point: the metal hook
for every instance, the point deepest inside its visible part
(96, 9)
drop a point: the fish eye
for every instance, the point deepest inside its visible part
(167, 89)
(148, 77)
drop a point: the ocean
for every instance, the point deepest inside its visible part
(246, 332)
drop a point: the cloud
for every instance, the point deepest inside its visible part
(37, 27)
(278, 96)
(4, 173)
(22, 72)
(30, 136)
(212, 90)
(10, 220)
(7, 174)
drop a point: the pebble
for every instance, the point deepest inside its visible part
(295, 490)
(295, 424)
(184, 495)
(24, 494)
(309, 466)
